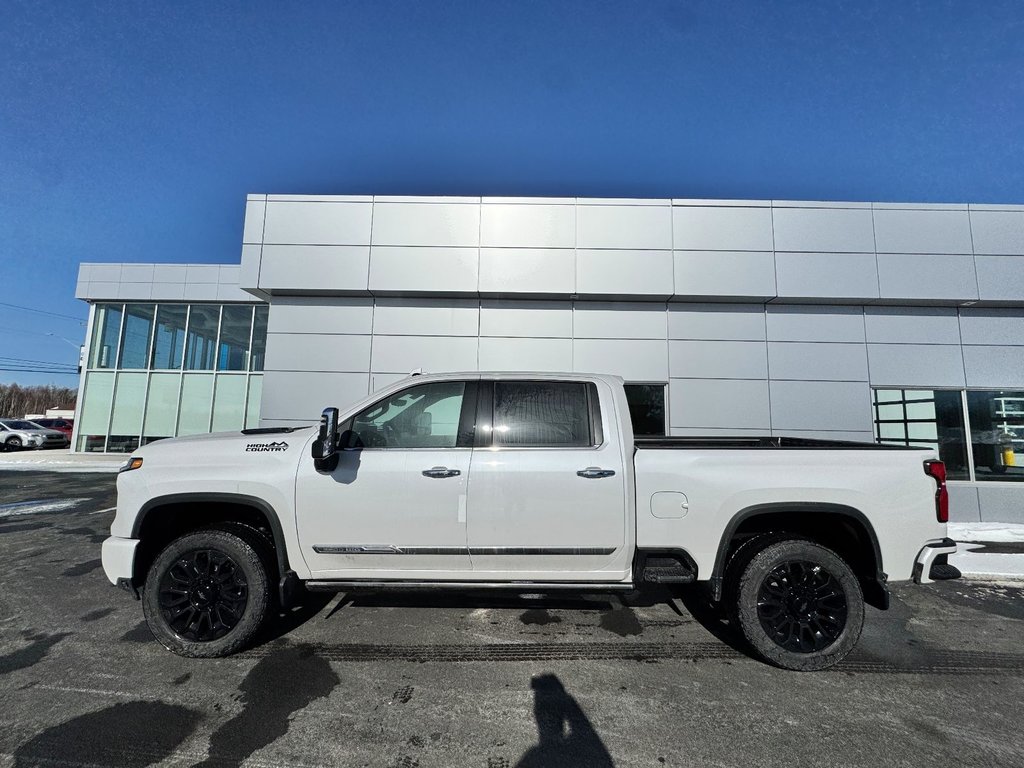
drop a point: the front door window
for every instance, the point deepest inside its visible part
(424, 416)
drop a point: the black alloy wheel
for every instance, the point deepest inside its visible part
(801, 606)
(203, 595)
(798, 604)
(209, 592)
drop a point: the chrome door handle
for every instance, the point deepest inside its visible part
(440, 472)
(594, 472)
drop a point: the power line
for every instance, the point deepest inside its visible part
(29, 360)
(78, 320)
(36, 364)
(70, 372)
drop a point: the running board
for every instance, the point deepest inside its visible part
(514, 586)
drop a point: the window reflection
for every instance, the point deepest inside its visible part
(541, 413)
(106, 329)
(646, 408)
(235, 327)
(169, 340)
(166, 339)
(924, 417)
(424, 416)
(201, 344)
(259, 337)
(138, 327)
(997, 434)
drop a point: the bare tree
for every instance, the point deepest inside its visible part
(16, 400)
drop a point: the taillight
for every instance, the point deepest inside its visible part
(937, 470)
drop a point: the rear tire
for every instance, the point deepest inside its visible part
(208, 593)
(798, 605)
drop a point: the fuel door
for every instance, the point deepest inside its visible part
(669, 504)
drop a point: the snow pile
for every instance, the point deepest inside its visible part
(37, 506)
(995, 533)
(59, 462)
(971, 558)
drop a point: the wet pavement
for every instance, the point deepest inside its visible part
(438, 679)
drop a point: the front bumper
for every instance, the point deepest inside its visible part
(927, 558)
(118, 556)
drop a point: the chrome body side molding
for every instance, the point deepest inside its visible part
(392, 549)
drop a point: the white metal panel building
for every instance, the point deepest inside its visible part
(862, 321)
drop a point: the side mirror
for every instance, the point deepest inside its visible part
(325, 447)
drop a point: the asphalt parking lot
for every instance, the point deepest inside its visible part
(477, 680)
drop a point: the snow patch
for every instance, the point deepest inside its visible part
(37, 506)
(62, 462)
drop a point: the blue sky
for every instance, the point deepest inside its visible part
(133, 131)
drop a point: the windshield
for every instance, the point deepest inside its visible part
(20, 424)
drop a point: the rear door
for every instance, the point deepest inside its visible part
(547, 488)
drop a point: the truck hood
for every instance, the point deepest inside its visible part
(199, 449)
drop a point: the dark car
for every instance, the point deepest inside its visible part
(61, 425)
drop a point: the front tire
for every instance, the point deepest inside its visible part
(799, 605)
(208, 593)
(14, 444)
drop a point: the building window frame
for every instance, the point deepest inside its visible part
(964, 393)
(116, 369)
(666, 425)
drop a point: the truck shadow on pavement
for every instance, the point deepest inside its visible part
(309, 605)
(522, 597)
(539, 609)
(617, 615)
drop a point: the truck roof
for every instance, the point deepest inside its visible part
(609, 377)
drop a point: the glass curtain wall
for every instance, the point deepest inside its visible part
(997, 434)
(979, 434)
(163, 370)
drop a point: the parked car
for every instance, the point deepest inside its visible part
(529, 482)
(18, 434)
(61, 425)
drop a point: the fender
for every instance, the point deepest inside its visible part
(232, 498)
(881, 597)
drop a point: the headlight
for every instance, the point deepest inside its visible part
(131, 464)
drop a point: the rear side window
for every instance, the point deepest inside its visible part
(543, 414)
(646, 409)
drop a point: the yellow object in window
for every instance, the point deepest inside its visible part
(1009, 457)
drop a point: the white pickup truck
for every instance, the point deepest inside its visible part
(531, 482)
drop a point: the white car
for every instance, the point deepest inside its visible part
(529, 482)
(16, 434)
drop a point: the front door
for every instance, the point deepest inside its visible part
(395, 506)
(547, 490)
